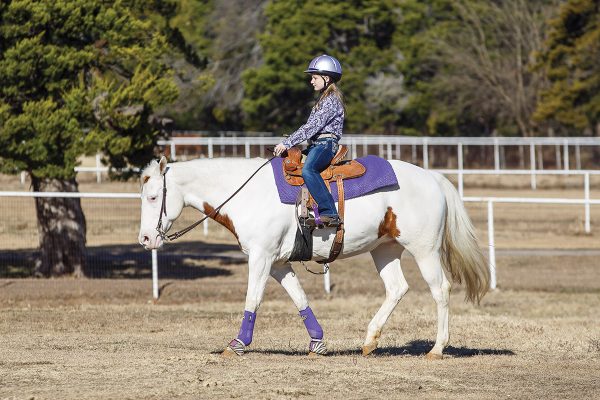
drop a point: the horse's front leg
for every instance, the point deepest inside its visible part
(259, 266)
(285, 275)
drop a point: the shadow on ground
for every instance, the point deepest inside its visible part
(183, 260)
(415, 348)
(422, 347)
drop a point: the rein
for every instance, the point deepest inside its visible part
(178, 234)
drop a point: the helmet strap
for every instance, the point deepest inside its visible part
(326, 83)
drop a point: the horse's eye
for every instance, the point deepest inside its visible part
(152, 198)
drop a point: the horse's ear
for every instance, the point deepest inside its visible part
(163, 165)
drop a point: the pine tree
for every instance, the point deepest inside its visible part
(278, 96)
(468, 65)
(78, 76)
(571, 61)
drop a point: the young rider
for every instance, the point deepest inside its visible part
(323, 131)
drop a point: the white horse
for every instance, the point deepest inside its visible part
(423, 214)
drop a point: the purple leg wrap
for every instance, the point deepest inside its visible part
(318, 222)
(247, 328)
(311, 323)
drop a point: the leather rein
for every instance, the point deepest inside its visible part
(163, 208)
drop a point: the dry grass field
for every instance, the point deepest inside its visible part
(538, 336)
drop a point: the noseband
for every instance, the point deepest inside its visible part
(163, 208)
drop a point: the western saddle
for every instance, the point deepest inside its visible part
(337, 172)
(338, 168)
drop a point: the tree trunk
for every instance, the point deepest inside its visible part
(61, 228)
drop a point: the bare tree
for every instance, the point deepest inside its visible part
(235, 26)
(490, 56)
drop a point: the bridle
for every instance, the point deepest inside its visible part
(163, 208)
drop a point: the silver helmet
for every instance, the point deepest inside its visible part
(325, 65)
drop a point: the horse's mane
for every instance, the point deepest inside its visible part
(240, 164)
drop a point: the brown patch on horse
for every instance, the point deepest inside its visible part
(388, 225)
(222, 219)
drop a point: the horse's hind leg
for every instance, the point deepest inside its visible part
(387, 262)
(431, 269)
(286, 276)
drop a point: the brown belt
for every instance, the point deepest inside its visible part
(325, 136)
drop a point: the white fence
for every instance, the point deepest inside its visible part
(390, 146)
(155, 288)
(490, 220)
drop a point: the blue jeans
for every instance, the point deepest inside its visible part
(319, 155)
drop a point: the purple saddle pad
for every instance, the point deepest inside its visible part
(379, 175)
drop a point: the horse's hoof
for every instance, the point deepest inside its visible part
(317, 348)
(236, 348)
(369, 348)
(228, 353)
(433, 356)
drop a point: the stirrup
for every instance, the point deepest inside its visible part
(331, 222)
(308, 221)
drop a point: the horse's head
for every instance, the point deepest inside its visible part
(159, 208)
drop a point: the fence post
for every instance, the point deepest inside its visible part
(262, 150)
(98, 165)
(496, 155)
(326, 279)
(210, 148)
(577, 157)
(155, 293)
(566, 155)
(247, 148)
(173, 155)
(425, 154)
(492, 251)
(586, 188)
(532, 165)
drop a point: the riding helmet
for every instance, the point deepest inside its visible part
(325, 65)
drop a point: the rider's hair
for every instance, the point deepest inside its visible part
(331, 90)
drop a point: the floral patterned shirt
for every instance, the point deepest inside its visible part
(328, 118)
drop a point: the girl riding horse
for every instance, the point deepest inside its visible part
(323, 131)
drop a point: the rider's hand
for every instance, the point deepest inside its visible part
(279, 149)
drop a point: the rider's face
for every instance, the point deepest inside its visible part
(318, 81)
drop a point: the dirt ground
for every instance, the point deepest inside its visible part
(537, 336)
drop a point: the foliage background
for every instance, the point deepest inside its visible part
(434, 67)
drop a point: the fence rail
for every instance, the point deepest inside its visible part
(490, 219)
(392, 145)
(587, 202)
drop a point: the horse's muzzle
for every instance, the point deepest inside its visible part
(149, 242)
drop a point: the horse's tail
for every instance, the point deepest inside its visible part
(461, 254)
